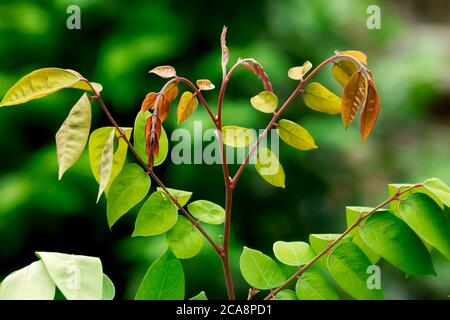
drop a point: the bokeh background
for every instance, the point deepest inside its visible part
(121, 40)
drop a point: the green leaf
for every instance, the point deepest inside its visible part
(391, 238)
(184, 239)
(71, 138)
(30, 283)
(265, 101)
(259, 270)
(127, 190)
(156, 216)
(319, 242)
(106, 163)
(295, 135)
(348, 266)
(108, 291)
(200, 296)
(77, 277)
(343, 70)
(352, 214)
(297, 73)
(286, 294)
(207, 211)
(181, 196)
(234, 136)
(139, 139)
(439, 189)
(312, 285)
(164, 280)
(43, 82)
(427, 220)
(269, 167)
(97, 142)
(294, 253)
(319, 98)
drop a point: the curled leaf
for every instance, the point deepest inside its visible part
(187, 105)
(352, 97)
(369, 113)
(43, 82)
(297, 73)
(149, 101)
(357, 54)
(163, 108)
(71, 138)
(295, 135)
(152, 136)
(265, 101)
(343, 70)
(205, 84)
(234, 136)
(225, 51)
(319, 98)
(164, 71)
(255, 67)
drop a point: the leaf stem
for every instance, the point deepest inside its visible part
(342, 236)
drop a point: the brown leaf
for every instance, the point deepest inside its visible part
(149, 101)
(369, 113)
(163, 108)
(171, 92)
(188, 104)
(152, 135)
(225, 51)
(205, 84)
(255, 67)
(353, 96)
(164, 71)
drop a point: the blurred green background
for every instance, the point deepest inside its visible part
(121, 40)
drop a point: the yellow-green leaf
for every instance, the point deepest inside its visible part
(187, 105)
(356, 54)
(106, 163)
(343, 70)
(265, 101)
(97, 141)
(164, 71)
(43, 82)
(319, 98)
(269, 167)
(235, 136)
(353, 96)
(205, 84)
(295, 135)
(71, 138)
(297, 73)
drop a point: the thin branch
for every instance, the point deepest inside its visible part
(342, 236)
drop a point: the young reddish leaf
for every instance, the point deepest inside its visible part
(171, 92)
(357, 54)
(149, 101)
(369, 113)
(152, 134)
(225, 51)
(297, 73)
(255, 67)
(343, 70)
(164, 71)
(163, 108)
(265, 101)
(205, 84)
(352, 98)
(188, 104)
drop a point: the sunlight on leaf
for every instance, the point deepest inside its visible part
(270, 168)
(369, 113)
(187, 105)
(353, 96)
(207, 211)
(205, 84)
(164, 71)
(265, 101)
(297, 73)
(295, 135)
(237, 137)
(184, 239)
(319, 98)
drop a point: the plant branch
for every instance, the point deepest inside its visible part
(342, 236)
(98, 98)
(278, 113)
